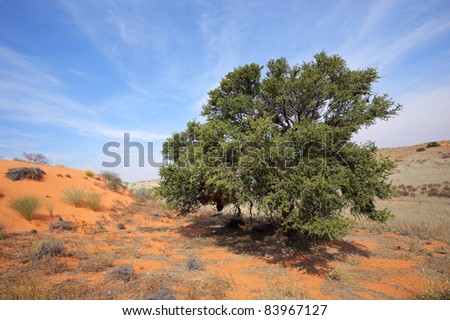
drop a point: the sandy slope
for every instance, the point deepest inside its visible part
(51, 188)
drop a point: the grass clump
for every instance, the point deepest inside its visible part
(23, 173)
(27, 206)
(338, 274)
(50, 205)
(47, 248)
(74, 196)
(143, 194)
(420, 149)
(113, 181)
(94, 201)
(89, 173)
(436, 291)
(206, 286)
(284, 291)
(96, 264)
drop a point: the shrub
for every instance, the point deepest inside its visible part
(60, 165)
(27, 206)
(88, 172)
(420, 149)
(74, 196)
(124, 273)
(143, 194)
(113, 180)
(22, 173)
(433, 145)
(47, 248)
(193, 264)
(63, 225)
(36, 158)
(94, 201)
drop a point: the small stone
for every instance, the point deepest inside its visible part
(120, 226)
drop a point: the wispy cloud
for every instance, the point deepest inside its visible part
(31, 96)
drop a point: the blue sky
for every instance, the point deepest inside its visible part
(77, 74)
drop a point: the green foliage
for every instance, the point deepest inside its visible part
(74, 196)
(27, 206)
(113, 181)
(433, 145)
(94, 201)
(421, 149)
(283, 144)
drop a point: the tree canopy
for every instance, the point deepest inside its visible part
(281, 144)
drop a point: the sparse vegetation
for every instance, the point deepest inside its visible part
(437, 290)
(47, 248)
(22, 173)
(285, 290)
(94, 201)
(36, 158)
(50, 205)
(96, 263)
(124, 273)
(143, 194)
(89, 173)
(3, 234)
(26, 205)
(113, 181)
(74, 196)
(421, 149)
(339, 273)
(206, 286)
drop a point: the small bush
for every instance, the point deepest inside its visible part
(193, 264)
(433, 192)
(420, 149)
(94, 201)
(124, 273)
(60, 165)
(22, 173)
(63, 225)
(27, 206)
(47, 248)
(113, 180)
(74, 196)
(143, 194)
(433, 145)
(36, 158)
(88, 172)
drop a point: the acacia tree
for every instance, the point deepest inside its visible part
(281, 144)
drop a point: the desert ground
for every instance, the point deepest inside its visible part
(130, 249)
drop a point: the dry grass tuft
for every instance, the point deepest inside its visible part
(205, 286)
(26, 206)
(284, 290)
(96, 264)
